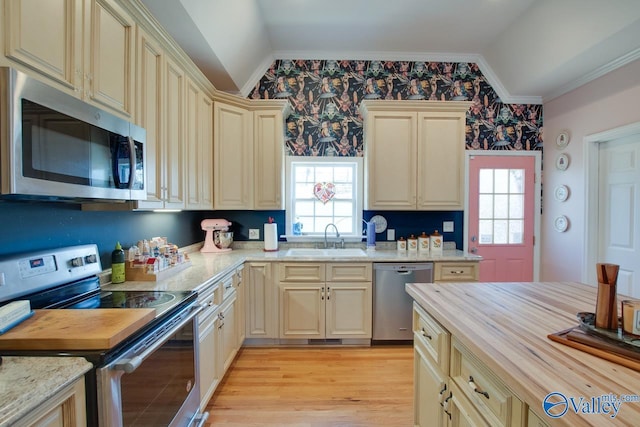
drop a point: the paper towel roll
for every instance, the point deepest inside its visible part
(271, 237)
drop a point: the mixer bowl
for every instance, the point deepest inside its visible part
(223, 239)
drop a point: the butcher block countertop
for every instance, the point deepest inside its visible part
(506, 326)
(81, 329)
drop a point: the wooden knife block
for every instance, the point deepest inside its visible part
(607, 303)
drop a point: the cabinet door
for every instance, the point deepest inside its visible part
(109, 47)
(65, 408)
(239, 285)
(268, 171)
(207, 359)
(228, 328)
(47, 37)
(302, 311)
(441, 148)
(193, 154)
(233, 157)
(149, 115)
(174, 135)
(205, 142)
(348, 309)
(390, 175)
(261, 308)
(430, 390)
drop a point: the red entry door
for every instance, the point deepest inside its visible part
(501, 216)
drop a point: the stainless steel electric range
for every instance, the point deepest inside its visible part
(148, 379)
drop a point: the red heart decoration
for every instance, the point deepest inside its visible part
(324, 191)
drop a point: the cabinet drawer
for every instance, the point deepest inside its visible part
(535, 421)
(484, 389)
(341, 272)
(301, 272)
(434, 338)
(455, 272)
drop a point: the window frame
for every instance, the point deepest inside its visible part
(358, 196)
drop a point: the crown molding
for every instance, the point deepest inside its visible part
(598, 72)
(497, 85)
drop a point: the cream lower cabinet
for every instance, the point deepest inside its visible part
(456, 271)
(208, 338)
(415, 154)
(228, 341)
(261, 299)
(452, 387)
(65, 409)
(319, 301)
(239, 285)
(85, 47)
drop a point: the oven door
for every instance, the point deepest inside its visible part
(154, 381)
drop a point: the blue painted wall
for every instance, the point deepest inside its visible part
(28, 226)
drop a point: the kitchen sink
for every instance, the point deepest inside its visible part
(325, 253)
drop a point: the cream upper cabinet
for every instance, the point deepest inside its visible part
(414, 154)
(268, 171)
(174, 136)
(86, 47)
(109, 56)
(248, 153)
(232, 156)
(199, 146)
(47, 37)
(149, 115)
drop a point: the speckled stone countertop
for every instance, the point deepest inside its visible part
(27, 382)
(206, 268)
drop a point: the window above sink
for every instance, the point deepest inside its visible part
(314, 253)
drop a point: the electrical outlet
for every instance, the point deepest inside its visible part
(254, 233)
(447, 226)
(391, 234)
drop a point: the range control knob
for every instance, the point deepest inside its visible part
(90, 259)
(77, 262)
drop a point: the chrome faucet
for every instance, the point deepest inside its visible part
(326, 245)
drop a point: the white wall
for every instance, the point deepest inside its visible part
(606, 103)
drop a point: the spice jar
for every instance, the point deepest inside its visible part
(402, 244)
(435, 243)
(423, 242)
(412, 244)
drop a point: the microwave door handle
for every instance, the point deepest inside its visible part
(132, 160)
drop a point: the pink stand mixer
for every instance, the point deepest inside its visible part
(218, 237)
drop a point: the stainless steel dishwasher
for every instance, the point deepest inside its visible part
(392, 306)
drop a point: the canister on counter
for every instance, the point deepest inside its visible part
(412, 244)
(435, 243)
(423, 242)
(402, 244)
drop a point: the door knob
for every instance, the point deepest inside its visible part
(474, 238)
(473, 250)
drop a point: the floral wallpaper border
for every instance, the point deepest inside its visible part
(325, 95)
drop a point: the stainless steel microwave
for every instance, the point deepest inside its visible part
(55, 146)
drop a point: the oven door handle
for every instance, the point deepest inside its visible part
(131, 364)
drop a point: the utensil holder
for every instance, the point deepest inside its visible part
(606, 304)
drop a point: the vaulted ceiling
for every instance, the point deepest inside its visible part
(529, 50)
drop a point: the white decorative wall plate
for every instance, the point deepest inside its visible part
(380, 222)
(561, 193)
(561, 224)
(562, 162)
(562, 140)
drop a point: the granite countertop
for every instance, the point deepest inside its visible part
(27, 382)
(506, 326)
(206, 268)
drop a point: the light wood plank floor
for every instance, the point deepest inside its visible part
(314, 387)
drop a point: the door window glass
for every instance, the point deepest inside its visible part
(501, 206)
